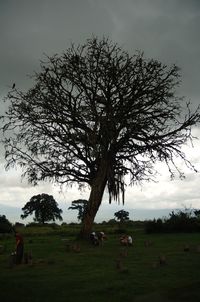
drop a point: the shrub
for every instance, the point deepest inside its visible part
(154, 226)
(35, 224)
(120, 231)
(19, 224)
(5, 225)
(181, 221)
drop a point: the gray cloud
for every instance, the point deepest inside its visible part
(167, 30)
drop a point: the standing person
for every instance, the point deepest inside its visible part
(19, 248)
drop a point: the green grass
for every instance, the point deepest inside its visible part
(59, 274)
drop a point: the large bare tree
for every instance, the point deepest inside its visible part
(94, 115)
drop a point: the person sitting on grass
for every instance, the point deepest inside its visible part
(94, 238)
(126, 240)
(101, 237)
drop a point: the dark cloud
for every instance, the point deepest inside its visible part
(29, 29)
(164, 30)
(167, 30)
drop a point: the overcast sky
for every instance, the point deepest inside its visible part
(167, 30)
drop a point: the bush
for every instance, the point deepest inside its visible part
(112, 222)
(120, 231)
(35, 224)
(182, 221)
(5, 225)
(19, 224)
(154, 226)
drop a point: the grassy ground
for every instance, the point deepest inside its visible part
(60, 274)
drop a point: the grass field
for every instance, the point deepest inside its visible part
(58, 273)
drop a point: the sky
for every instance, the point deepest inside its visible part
(163, 30)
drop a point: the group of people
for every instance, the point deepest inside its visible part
(97, 238)
(126, 240)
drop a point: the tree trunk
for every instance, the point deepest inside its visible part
(96, 194)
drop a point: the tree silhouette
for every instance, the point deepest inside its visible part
(94, 115)
(81, 206)
(5, 225)
(44, 207)
(122, 216)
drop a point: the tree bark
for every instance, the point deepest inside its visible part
(96, 194)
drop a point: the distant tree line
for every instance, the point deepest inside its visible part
(187, 220)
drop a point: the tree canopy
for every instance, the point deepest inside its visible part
(94, 115)
(122, 215)
(44, 207)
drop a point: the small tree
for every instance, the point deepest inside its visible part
(81, 206)
(5, 225)
(122, 216)
(45, 208)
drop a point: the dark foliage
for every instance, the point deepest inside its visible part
(122, 216)
(181, 221)
(81, 206)
(18, 224)
(44, 207)
(5, 225)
